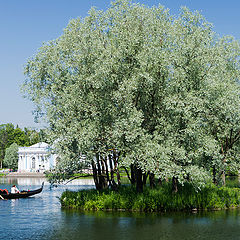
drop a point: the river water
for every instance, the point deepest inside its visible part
(41, 217)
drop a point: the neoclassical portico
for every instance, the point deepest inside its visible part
(35, 158)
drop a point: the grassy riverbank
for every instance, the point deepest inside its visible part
(151, 200)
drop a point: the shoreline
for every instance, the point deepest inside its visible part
(25, 175)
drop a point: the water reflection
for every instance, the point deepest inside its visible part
(41, 217)
(142, 226)
(22, 181)
(34, 217)
(38, 181)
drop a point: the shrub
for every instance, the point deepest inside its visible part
(159, 199)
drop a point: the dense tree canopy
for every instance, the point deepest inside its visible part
(10, 134)
(150, 91)
(11, 157)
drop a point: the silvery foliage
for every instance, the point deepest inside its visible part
(161, 89)
(11, 156)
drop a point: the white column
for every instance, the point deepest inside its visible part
(38, 162)
(29, 162)
(46, 162)
(19, 162)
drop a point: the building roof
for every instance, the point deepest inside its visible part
(39, 145)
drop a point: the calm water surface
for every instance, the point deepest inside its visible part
(41, 217)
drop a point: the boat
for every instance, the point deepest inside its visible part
(23, 194)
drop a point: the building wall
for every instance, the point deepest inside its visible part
(35, 158)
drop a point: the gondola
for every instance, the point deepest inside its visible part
(22, 194)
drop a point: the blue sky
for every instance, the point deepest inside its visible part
(26, 24)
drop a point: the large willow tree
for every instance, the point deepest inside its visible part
(133, 86)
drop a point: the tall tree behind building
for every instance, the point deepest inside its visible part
(10, 134)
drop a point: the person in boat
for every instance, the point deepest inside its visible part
(14, 189)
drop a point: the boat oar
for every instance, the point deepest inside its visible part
(2, 197)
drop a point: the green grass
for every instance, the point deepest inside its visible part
(153, 200)
(83, 175)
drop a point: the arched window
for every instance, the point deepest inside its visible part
(33, 163)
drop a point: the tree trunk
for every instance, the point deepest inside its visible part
(133, 174)
(113, 183)
(139, 180)
(95, 178)
(100, 182)
(223, 172)
(152, 180)
(160, 182)
(145, 175)
(214, 175)
(174, 184)
(111, 167)
(223, 178)
(115, 160)
(107, 172)
(129, 178)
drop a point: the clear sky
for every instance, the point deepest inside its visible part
(26, 24)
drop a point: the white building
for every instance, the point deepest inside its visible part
(36, 158)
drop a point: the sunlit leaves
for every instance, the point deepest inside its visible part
(162, 90)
